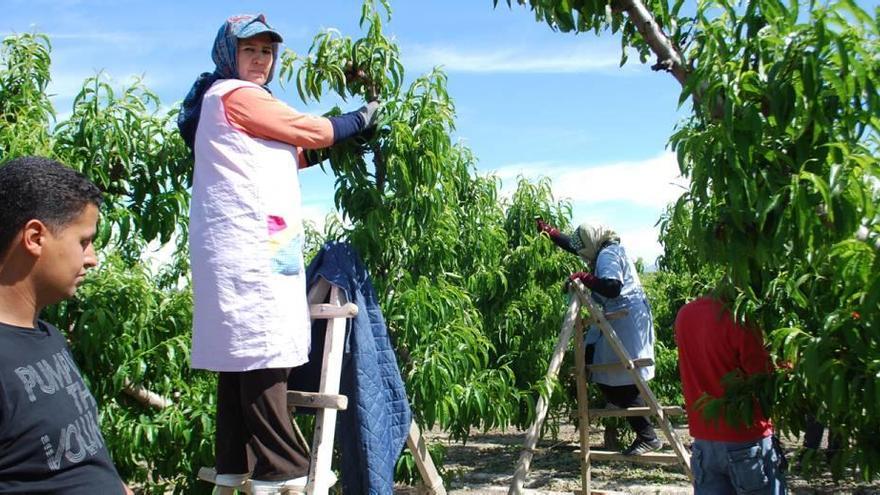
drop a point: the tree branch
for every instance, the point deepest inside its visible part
(379, 163)
(669, 58)
(146, 397)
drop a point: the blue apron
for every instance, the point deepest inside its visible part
(635, 330)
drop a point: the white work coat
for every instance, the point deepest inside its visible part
(246, 238)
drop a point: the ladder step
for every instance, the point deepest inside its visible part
(617, 412)
(649, 458)
(314, 400)
(327, 311)
(637, 363)
(209, 474)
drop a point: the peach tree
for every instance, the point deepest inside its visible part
(470, 292)
(781, 148)
(129, 325)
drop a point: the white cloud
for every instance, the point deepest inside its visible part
(512, 171)
(654, 182)
(454, 59)
(627, 196)
(66, 85)
(641, 243)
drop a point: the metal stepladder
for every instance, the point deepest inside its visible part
(327, 401)
(574, 323)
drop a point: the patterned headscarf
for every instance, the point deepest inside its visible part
(587, 240)
(224, 54)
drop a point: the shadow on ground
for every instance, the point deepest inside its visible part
(485, 464)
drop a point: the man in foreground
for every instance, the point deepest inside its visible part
(50, 441)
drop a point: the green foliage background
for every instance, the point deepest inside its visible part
(781, 148)
(472, 295)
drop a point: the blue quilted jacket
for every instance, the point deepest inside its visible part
(372, 431)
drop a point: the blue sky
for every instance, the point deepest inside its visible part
(529, 100)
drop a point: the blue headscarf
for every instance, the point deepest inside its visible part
(225, 59)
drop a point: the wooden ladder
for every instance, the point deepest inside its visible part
(573, 323)
(327, 401)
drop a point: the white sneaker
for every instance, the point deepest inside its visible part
(233, 480)
(275, 487)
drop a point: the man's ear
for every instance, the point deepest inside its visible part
(33, 236)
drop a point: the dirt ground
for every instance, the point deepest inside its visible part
(485, 464)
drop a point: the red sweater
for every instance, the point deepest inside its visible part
(710, 345)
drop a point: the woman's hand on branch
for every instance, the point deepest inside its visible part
(546, 228)
(588, 279)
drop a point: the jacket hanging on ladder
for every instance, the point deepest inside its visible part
(373, 429)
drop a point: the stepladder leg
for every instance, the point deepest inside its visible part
(583, 404)
(517, 483)
(320, 471)
(424, 463)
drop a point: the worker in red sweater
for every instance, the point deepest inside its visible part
(727, 459)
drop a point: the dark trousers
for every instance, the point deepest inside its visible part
(254, 430)
(625, 396)
(628, 396)
(813, 435)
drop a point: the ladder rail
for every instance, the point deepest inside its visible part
(419, 449)
(525, 458)
(320, 472)
(583, 398)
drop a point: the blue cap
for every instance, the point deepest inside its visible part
(246, 26)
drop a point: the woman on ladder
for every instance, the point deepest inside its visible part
(251, 318)
(615, 286)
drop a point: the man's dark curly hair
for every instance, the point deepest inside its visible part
(37, 188)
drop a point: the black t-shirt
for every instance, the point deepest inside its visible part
(50, 441)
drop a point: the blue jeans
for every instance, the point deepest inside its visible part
(740, 468)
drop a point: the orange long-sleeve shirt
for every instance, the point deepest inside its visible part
(259, 114)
